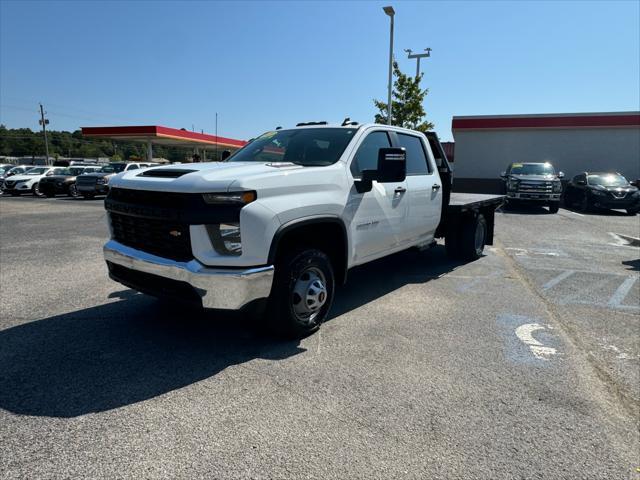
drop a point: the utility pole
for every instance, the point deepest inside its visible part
(390, 12)
(44, 122)
(418, 56)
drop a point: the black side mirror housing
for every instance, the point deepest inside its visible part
(581, 182)
(225, 154)
(503, 175)
(560, 174)
(392, 167)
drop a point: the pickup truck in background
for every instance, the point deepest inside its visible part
(279, 224)
(533, 183)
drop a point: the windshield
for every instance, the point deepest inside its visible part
(113, 168)
(305, 146)
(75, 170)
(532, 169)
(36, 171)
(607, 180)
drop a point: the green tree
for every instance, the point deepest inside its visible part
(407, 103)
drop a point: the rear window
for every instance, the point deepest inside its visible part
(416, 158)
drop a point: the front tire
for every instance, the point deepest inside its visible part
(302, 293)
(36, 191)
(73, 191)
(633, 211)
(554, 207)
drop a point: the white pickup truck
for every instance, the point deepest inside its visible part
(279, 224)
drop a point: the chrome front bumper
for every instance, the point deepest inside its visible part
(219, 288)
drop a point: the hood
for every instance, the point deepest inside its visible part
(98, 174)
(59, 177)
(20, 178)
(626, 188)
(540, 178)
(205, 177)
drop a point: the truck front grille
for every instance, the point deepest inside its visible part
(535, 187)
(86, 180)
(163, 238)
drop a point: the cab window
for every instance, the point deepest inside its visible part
(416, 157)
(366, 158)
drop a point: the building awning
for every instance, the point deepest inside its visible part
(158, 135)
(556, 120)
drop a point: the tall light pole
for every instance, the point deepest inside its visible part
(391, 12)
(44, 122)
(418, 56)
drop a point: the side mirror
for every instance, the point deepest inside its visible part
(225, 154)
(503, 175)
(392, 167)
(560, 174)
(581, 182)
(49, 173)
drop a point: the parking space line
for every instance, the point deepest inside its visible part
(622, 291)
(556, 280)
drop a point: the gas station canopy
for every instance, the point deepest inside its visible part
(155, 134)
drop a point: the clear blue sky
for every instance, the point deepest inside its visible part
(263, 64)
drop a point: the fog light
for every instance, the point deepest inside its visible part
(225, 238)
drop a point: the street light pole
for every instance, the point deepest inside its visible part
(390, 12)
(43, 121)
(418, 56)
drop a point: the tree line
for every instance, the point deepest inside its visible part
(19, 142)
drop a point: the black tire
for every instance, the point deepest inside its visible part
(297, 271)
(473, 236)
(73, 190)
(584, 205)
(633, 211)
(554, 207)
(36, 190)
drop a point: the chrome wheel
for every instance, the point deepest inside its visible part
(73, 190)
(309, 294)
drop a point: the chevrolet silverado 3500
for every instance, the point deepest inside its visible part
(280, 223)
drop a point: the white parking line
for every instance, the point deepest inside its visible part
(556, 280)
(622, 291)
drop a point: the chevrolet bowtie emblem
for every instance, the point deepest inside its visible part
(175, 233)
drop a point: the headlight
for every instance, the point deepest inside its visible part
(599, 193)
(225, 238)
(557, 186)
(230, 198)
(101, 180)
(512, 184)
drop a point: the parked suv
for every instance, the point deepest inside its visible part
(534, 183)
(97, 183)
(604, 190)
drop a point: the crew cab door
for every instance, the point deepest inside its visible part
(376, 218)
(424, 188)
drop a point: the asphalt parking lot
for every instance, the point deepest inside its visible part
(523, 364)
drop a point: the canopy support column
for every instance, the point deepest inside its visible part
(149, 151)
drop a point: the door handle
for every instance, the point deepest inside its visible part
(400, 190)
(435, 186)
